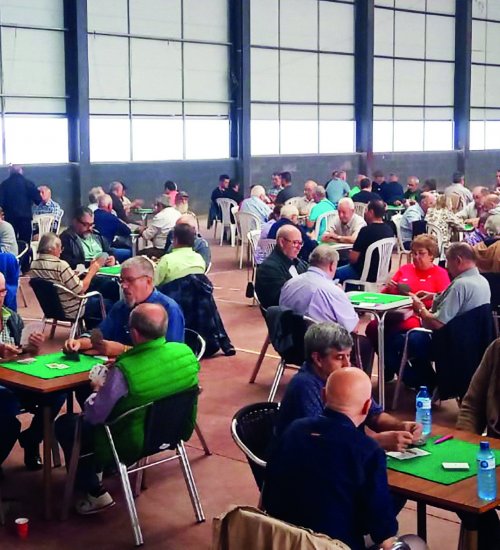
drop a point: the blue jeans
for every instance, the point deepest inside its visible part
(121, 254)
(346, 272)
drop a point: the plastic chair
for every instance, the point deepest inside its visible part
(399, 240)
(225, 206)
(360, 208)
(259, 249)
(435, 231)
(197, 345)
(47, 294)
(252, 429)
(23, 248)
(245, 222)
(45, 222)
(384, 248)
(328, 218)
(160, 436)
(294, 201)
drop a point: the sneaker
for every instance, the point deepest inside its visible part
(94, 505)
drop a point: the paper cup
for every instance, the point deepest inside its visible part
(22, 525)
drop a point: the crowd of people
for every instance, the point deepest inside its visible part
(330, 434)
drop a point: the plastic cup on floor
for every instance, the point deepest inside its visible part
(22, 526)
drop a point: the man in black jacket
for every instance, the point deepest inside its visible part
(282, 264)
(17, 195)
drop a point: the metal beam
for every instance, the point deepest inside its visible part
(363, 80)
(462, 84)
(239, 19)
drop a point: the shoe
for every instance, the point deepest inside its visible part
(93, 505)
(229, 350)
(32, 458)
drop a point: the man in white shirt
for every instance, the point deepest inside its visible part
(458, 188)
(307, 201)
(471, 212)
(157, 230)
(346, 226)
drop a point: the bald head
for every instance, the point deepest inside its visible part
(147, 322)
(491, 201)
(348, 391)
(289, 240)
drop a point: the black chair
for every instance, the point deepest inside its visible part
(47, 294)
(22, 249)
(252, 429)
(494, 282)
(160, 436)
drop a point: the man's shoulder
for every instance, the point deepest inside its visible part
(158, 297)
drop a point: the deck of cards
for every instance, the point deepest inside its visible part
(98, 374)
(59, 366)
(412, 452)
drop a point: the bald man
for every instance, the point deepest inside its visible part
(307, 202)
(328, 476)
(281, 265)
(471, 212)
(412, 193)
(148, 371)
(200, 244)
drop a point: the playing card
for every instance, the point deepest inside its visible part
(60, 366)
(408, 454)
(28, 330)
(26, 361)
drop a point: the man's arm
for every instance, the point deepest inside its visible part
(122, 229)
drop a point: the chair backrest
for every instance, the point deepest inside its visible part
(48, 297)
(294, 201)
(252, 429)
(261, 248)
(246, 222)
(45, 223)
(435, 231)
(384, 247)
(328, 218)
(22, 249)
(456, 202)
(360, 208)
(396, 219)
(195, 342)
(57, 223)
(494, 282)
(286, 332)
(225, 206)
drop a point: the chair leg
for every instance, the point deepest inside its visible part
(191, 485)
(129, 499)
(232, 229)
(23, 296)
(53, 329)
(201, 437)
(2, 514)
(277, 378)
(262, 354)
(139, 477)
(223, 228)
(56, 456)
(402, 366)
(72, 467)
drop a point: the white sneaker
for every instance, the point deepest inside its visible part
(93, 505)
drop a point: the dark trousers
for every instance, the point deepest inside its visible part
(86, 476)
(107, 286)
(488, 527)
(9, 432)
(23, 230)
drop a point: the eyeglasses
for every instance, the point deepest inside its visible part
(129, 280)
(86, 224)
(295, 243)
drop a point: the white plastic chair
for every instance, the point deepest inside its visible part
(384, 248)
(245, 222)
(329, 218)
(360, 208)
(259, 249)
(399, 240)
(225, 206)
(294, 201)
(435, 231)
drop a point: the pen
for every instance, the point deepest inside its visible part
(443, 439)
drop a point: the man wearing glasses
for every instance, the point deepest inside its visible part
(137, 285)
(82, 243)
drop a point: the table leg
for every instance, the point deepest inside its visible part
(422, 520)
(470, 539)
(70, 403)
(47, 461)
(381, 359)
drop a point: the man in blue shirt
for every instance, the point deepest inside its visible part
(137, 284)
(337, 188)
(392, 192)
(414, 213)
(110, 227)
(328, 349)
(327, 475)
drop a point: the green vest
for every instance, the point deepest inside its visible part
(152, 370)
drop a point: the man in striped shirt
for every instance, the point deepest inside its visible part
(50, 267)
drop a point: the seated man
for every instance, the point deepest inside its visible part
(182, 202)
(488, 251)
(183, 260)
(458, 188)
(337, 187)
(13, 399)
(166, 216)
(471, 212)
(8, 242)
(233, 192)
(376, 230)
(272, 192)
(314, 293)
(413, 214)
(81, 243)
(325, 474)
(111, 228)
(365, 195)
(308, 201)
(327, 349)
(117, 194)
(392, 192)
(200, 244)
(137, 285)
(322, 206)
(218, 193)
(412, 193)
(256, 204)
(290, 216)
(288, 190)
(282, 264)
(346, 226)
(50, 267)
(47, 206)
(150, 370)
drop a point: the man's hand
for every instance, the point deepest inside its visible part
(71, 345)
(110, 261)
(388, 543)
(423, 295)
(397, 203)
(415, 429)
(94, 267)
(329, 237)
(109, 348)
(417, 303)
(35, 341)
(8, 351)
(394, 440)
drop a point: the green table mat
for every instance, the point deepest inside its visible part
(142, 210)
(40, 370)
(111, 270)
(430, 466)
(376, 298)
(392, 207)
(468, 227)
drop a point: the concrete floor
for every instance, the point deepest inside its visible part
(223, 479)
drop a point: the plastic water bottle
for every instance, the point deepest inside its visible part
(423, 410)
(486, 473)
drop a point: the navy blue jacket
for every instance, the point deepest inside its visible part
(328, 476)
(110, 226)
(392, 191)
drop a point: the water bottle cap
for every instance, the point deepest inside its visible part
(484, 445)
(423, 387)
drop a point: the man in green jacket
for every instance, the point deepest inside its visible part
(150, 370)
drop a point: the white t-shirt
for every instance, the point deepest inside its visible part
(160, 225)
